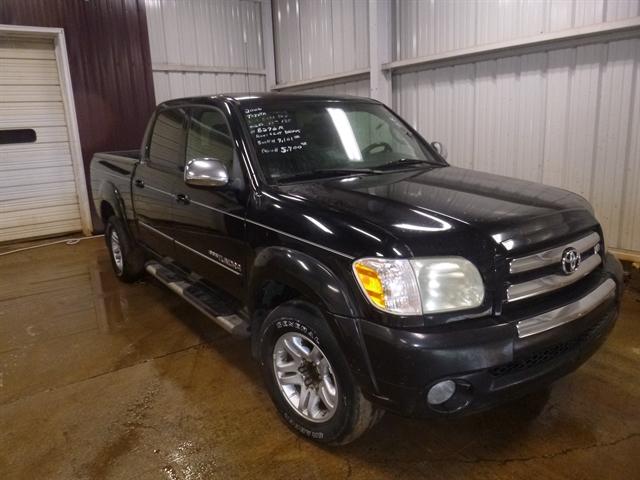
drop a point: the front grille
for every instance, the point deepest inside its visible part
(548, 354)
(542, 272)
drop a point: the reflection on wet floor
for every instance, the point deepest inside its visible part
(99, 379)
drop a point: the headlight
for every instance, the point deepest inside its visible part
(420, 286)
(448, 283)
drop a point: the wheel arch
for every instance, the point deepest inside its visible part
(281, 274)
(111, 203)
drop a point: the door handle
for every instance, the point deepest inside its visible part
(139, 183)
(182, 198)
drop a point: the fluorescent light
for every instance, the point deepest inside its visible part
(348, 139)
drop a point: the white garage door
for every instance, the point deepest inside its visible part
(38, 195)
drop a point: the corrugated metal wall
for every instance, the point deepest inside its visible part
(568, 117)
(315, 38)
(202, 47)
(425, 27)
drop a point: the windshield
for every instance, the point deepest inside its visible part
(314, 139)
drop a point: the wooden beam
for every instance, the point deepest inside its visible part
(625, 255)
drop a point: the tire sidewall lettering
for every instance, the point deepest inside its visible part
(303, 430)
(296, 325)
(313, 326)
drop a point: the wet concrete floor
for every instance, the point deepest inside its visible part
(104, 380)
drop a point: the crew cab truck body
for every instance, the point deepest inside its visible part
(369, 273)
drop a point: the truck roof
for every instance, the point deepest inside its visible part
(263, 98)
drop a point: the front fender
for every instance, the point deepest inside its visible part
(322, 287)
(303, 273)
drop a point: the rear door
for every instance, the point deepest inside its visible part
(209, 222)
(156, 178)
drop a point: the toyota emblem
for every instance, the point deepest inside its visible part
(570, 260)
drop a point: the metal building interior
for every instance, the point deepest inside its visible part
(104, 379)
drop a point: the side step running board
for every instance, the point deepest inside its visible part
(208, 301)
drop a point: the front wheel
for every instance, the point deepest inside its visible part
(309, 379)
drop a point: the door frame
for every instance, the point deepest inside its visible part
(64, 75)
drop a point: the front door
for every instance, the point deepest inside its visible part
(209, 221)
(156, 178)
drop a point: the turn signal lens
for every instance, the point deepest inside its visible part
(390, 285)
(371, 284)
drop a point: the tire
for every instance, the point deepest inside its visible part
(127, 258)
(333, 416)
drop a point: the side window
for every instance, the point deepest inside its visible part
(209, 137)
(167, 140)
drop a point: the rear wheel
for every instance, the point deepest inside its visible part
(127, 258)
(309, 379)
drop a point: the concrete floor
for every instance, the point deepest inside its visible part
(104, 380)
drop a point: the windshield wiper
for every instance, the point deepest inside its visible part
(403, 162)
(325, 172)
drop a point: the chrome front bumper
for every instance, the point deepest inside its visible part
(568, 313)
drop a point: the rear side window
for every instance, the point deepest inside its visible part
(167, 140)
(209, 136)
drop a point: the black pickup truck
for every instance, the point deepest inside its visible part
(369, 274)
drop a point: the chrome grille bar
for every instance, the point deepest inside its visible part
(554, 255)
(568, 313)
(538, 286)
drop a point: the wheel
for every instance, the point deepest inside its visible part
(127, 258)
(309, 379)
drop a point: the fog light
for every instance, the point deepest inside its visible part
(441, 392)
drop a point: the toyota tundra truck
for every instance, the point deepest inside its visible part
(368, 273)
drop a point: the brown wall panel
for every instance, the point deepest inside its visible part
(110, 64)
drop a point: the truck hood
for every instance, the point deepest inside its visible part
(429, 209)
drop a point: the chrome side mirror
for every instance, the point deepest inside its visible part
(206, 172)
(440, 148)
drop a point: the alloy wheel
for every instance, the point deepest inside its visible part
(305, 377)
(116, 251)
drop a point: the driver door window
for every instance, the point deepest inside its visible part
(209, 137)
